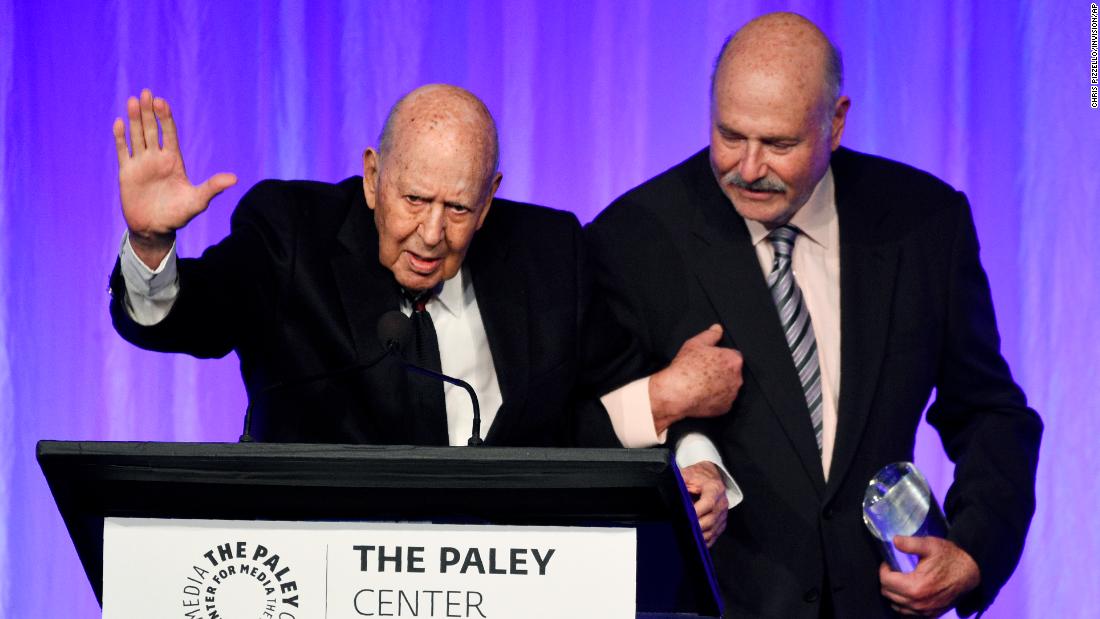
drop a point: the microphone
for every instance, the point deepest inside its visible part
(395, 331)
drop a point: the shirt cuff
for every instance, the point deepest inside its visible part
(632, 416)
(150, 293)
(693, 448)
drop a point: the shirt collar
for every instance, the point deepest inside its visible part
(456, 293)
(815, 219)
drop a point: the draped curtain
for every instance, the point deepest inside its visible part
(591, 99)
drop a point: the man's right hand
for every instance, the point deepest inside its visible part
(704, 482)
(157, 197)
(702, 381)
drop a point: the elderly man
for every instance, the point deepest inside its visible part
(299, 285)
(853, 289)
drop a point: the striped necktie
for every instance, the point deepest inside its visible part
(796, 323)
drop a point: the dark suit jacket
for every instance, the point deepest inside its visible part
(296, 290)
(916, 315)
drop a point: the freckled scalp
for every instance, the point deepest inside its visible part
(785, 44)
(450, 113)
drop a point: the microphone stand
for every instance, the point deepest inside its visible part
(392, 347)
(475, 435)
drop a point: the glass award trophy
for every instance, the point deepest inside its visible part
(898, 501)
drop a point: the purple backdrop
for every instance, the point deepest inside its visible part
(592, 98)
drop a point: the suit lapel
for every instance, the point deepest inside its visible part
(726, 265)
(367, 289)
(868, 267)
(502, 301)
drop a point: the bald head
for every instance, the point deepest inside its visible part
(785, 45)
(431, 183)
(443, 112)
(776, 116)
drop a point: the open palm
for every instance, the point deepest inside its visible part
(157, 197)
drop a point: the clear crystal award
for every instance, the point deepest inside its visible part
(898, 501)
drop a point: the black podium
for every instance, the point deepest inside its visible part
(504, 486)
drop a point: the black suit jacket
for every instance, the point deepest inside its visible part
(916, 316)
(296, 290)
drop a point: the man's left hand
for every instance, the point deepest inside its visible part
(704, 481)
(944, 572)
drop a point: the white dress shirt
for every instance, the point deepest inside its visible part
(815, 263)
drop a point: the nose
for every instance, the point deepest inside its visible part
(752, 166)
(431, 226)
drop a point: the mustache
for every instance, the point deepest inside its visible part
(733, 177)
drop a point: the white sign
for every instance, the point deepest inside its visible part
(217, 569)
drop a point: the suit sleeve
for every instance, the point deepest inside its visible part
(217, 291)
(622, 255)
(987, 429)
(607, 353)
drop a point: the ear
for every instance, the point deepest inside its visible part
(489, 198)
(840, 115)
(371, 170)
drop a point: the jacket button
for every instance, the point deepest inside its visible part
(828, 513)
(812, 595)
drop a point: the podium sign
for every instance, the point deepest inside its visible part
(222, 569)
(313, 494)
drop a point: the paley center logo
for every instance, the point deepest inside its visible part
(238, 579)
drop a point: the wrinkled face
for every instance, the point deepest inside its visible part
(430, 193)
(770, 142)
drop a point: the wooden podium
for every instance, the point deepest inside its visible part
(505, 487)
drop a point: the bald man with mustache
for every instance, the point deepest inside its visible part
(853, 289)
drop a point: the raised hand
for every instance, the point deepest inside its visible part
(702, 381)
(157, 197)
